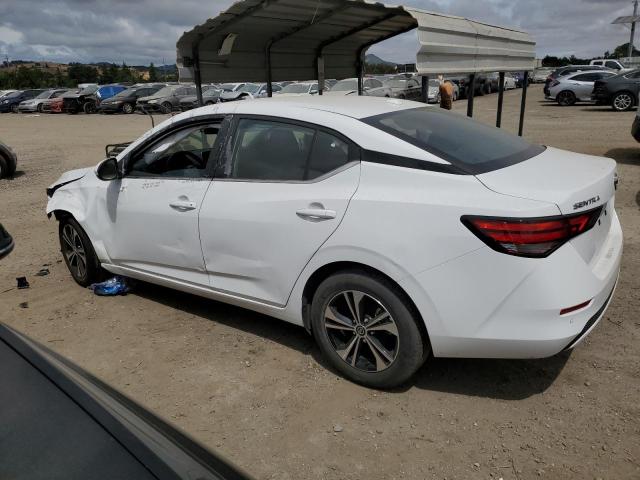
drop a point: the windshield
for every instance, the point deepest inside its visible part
(228, 87)
(296, 88)
(164, 92)
(89, 90)
(126, 93)
(45, 94)
(345, 86)
(249, 88)
(14, 94)
(439, 132)
(212, 92)
(397, 83)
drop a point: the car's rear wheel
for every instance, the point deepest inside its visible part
(39, 108)
(4, 168)
(89, 107)
(166, 107)
(14, 108)
(623, 101)
(127, 108)
(566, 98)
(365, 329)
(78, 252)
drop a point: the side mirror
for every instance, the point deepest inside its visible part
(108, 170)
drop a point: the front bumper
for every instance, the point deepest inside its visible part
(489, 305)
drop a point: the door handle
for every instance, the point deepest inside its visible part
(183, 205)
(316, 214)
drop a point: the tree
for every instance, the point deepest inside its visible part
(153, 73)
(623, 51)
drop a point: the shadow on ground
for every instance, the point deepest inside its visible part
(500, 379)
(628, 156)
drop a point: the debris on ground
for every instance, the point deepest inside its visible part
(24, 305)
(114, 286)
(22, 283)
(43, 272)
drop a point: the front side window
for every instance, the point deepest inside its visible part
(613, 65)
(276, 151)
(583, 77)
(439, 132)
(185, 153)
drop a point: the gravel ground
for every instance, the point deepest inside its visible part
(256, 389)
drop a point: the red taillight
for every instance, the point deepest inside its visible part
(580, 306)
(530, 237)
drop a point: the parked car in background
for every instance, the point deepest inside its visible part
(125, 101)
(56, 104)
(209, 97)
(540, 74)
(104, 92)
(619, 91)
(493, 82)
(392, 230)
(74, 102)
(299, 88)
(11, 102)
(36, 104)
(168, 98)
(6, 243)
(575, 87)
(4, 93)
(404, 88)
(610, 63)
(248, 90)
(8, 161)
(370, 86)
(519, 79)
(509, 81)
(464, 83)
(562, 71)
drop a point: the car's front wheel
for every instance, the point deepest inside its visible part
(622, 102)
(566, 98)
(127, 108)
(15, 109)
(78, 253)
(366, 330)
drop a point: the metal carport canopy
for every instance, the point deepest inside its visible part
(263, 40)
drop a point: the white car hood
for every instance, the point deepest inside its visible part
(71, 176)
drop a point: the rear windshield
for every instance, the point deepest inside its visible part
(467, 144)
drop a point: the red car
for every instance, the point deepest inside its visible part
(53, 105)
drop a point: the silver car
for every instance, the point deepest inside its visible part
(166, 99)
(36, 104)
(575, 87)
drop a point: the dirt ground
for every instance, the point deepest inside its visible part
(256, 390)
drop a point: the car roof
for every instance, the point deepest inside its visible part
(355, 106)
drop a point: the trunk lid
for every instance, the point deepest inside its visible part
(574, 182)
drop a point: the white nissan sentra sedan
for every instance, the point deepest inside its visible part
(388, 229)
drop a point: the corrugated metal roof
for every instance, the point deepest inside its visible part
(297, 31)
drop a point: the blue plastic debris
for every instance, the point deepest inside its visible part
(114, 286)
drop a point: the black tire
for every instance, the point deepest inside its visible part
(623, 101)
(167, 107)
(71, 233)
(566, 98)
(14, 108)
(89, 107)
(403, 353)
(127, 108)
(4, 168)
(39, 108)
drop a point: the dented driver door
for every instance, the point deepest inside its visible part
(154, 213)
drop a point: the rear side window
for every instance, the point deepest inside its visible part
(586, 77)
(467, 144)
(278, 151)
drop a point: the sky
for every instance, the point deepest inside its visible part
(143, 31)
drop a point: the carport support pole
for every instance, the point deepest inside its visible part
(425, 89)
(470, 94)
(269, 73)
(500, 99)
(360, 71)
(196, 73)
(523, 103)
(320, 73)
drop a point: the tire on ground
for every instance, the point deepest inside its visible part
(413, 347)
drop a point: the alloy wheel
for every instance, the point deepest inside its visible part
(622, 101)
(127, 108)
(565, 98)
(362, 331)
(74, 251)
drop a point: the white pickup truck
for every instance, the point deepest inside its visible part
(610, 63)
